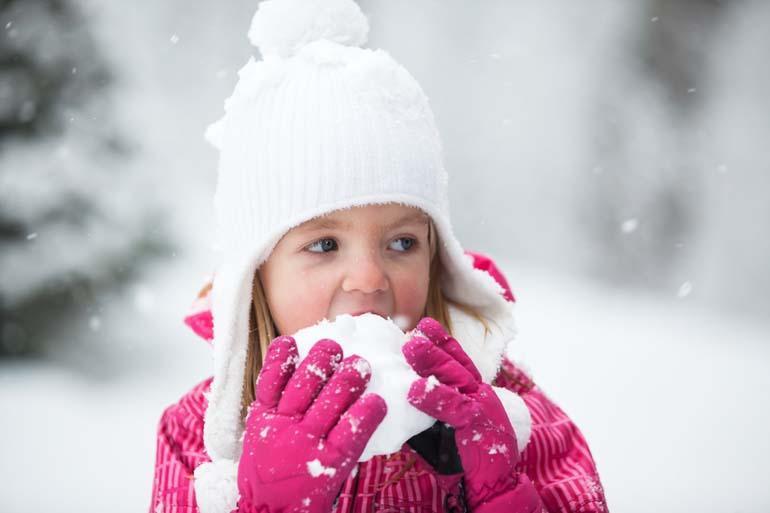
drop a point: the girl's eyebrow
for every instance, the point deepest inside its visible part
(329, 223)
(326, 223)
(415, 218)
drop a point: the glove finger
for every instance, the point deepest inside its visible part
(354, 429)
(426, 358)
(279, 364)
(436, 333)
(307, 380)
(442, 402)
(345, 386)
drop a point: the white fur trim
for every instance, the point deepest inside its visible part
(231, 300)
(486, 350)
(518, 414)
(216, 486)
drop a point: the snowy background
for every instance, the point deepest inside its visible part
(611, 156)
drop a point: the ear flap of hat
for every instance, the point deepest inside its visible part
(231, 303)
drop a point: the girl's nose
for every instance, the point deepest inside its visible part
(365, 274)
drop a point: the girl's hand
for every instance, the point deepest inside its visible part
(452, 391)
(306, 429)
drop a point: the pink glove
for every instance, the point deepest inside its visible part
(306, 429)
(452, 391)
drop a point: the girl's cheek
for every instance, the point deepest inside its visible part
(309, 299)
(411, 293)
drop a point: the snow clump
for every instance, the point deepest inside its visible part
(379, 342)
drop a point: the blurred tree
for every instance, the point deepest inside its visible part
(733, 250)
(72, 220)
(646, 180)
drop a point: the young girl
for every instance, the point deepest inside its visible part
(332, 198)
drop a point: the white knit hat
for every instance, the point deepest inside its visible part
(321, 124)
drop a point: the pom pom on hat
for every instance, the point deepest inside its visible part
(281, 27)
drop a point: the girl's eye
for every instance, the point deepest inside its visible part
(323, 246)
(406, 242)
(326, 245)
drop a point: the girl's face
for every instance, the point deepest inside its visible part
(374, 258)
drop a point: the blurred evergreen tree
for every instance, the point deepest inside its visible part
(73, 220)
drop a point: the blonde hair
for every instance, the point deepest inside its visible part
(262, 328)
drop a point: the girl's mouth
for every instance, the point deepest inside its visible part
(361, 312)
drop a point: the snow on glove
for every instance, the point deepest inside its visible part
(452, 391)
(306, 428)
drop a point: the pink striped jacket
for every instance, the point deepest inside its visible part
(557, 459)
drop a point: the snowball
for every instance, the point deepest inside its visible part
(378, 341)
(281, 27)
(402, 321)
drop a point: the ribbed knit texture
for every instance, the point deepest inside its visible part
(313, 138)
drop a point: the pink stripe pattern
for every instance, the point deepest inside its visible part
(557, 459)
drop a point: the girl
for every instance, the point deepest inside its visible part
(332, 198)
